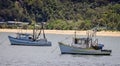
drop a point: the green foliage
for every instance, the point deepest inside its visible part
(63, 14)
(57, 24)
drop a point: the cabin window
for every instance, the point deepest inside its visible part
(79, 42)
(83, 42)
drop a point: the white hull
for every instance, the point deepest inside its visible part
(66, 49)
(28, 42)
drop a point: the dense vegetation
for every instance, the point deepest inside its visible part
(64, 14)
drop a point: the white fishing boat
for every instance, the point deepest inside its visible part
(30, 39)
(84, 46)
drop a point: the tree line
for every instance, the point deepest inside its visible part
(64, 14)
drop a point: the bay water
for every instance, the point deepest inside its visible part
(14, 55)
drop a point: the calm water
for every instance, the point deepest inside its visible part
(13, 55)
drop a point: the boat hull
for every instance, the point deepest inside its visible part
(28, 42)
(66, 49)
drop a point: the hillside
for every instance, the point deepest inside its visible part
(61, 14)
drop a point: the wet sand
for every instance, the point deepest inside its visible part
(100, 33)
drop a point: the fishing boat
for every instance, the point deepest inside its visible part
(84, 46)
(30, 39)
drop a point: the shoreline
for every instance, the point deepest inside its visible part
(100, 33)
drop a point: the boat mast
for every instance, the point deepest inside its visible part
(33, 19)
(43, 31)
(42, 28)
(75, 32)
(34, 33)
(74, 20)
(39, 34)
(73, 16)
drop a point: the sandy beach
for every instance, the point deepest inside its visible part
(100, 33)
